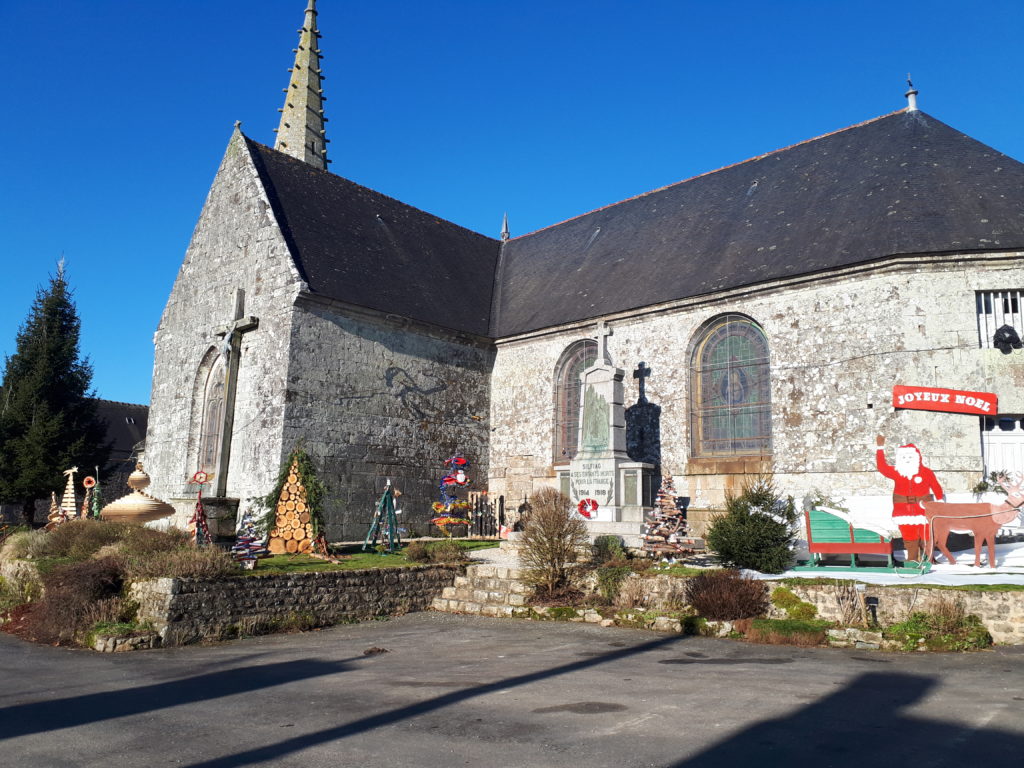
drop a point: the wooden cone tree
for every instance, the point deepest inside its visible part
(294, 523)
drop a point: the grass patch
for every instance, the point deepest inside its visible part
(681, 571)
(801, 632)
(354, 559)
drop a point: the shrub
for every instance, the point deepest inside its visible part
(609, 580)
(946, 628)
(632, 593)
(416, 552)
(724, 595)
(24, 544)
(756, 531)
(446, 551)
(608, 548)
(71, 594)
(551, 538)
(181, 563)
(802, 632)
(794, 607)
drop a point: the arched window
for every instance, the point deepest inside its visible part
(211, 433)
(577, 357)
(730, 389)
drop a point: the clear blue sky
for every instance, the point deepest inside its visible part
(117, 114)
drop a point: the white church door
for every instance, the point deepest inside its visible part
(1002, 443)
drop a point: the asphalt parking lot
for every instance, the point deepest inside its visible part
(453, 690)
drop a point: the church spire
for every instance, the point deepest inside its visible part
(301, 133)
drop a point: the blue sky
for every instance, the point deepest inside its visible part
(117, 114)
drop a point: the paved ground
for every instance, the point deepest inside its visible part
(470, 691)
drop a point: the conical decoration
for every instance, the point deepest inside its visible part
(664, 533)
(69, 503)
(293, 525)
(137, 507)
(56, 516)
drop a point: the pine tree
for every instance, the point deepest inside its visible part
(48, 420)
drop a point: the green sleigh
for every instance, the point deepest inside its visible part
(828, 534)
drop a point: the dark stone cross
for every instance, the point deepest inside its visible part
(232, 335)
(641, 373)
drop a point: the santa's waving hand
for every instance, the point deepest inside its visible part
(914, 483)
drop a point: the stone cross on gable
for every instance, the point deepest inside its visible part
(641, 373)
(603, 332)
(232, 335)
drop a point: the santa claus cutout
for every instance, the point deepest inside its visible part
(915, 483)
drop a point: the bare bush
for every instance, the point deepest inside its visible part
(24, 545)
(724, 595)
(181, 563)
(69, 594)
(633, 593)
(552, 536)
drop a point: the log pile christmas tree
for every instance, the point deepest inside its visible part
(295, 520)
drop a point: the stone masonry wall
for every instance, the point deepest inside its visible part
(837, 344)
(376, 398)
(236, 244)
(187, 610)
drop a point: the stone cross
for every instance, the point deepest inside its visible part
(232, 335)
(641, 373)
(603, 332)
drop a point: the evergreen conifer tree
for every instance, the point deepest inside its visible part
(48, 418)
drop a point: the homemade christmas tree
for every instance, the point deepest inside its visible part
(248, 543)
(665, 531)
(450, 510)
(295, 521)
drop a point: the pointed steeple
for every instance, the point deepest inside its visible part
(504, 228)
(301, 133)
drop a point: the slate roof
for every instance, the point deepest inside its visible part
(904, 183)
(359, 246)
(126, 427)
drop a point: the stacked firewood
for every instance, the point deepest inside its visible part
(293, 527)
(664, 533)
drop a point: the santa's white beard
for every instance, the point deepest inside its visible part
(907, 465)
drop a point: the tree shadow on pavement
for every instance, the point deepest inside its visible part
(38, 717)
(862, 725)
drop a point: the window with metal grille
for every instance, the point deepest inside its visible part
(576, 358)
(996, 309)
(730, 389)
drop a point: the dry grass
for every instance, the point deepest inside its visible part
(633, 593)
(183, 563)
(24, 544)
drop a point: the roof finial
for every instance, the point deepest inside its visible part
(301, 133)
(504, 228)
(911, 95)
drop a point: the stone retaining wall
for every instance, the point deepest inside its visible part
(1002, 613)
(187, 610)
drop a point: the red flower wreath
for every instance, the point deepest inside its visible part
(587, 508)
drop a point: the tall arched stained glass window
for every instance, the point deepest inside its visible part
(730, 390)
(577, 357)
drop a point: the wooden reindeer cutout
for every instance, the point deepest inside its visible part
(981, 520)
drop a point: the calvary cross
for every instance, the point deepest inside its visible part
(232, 335)
(641, 373)
(603, 332)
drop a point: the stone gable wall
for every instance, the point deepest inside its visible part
(375, 399)
(837, 344)
(188, 610)
(236, 244)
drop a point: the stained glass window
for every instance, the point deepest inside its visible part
(730, 390)
(575, 359)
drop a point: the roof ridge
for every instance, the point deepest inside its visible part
(371, 189)
(709, 173)
(119, 402)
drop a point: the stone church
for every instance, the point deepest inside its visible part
(752, 319)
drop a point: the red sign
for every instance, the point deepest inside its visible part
(947, 400)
